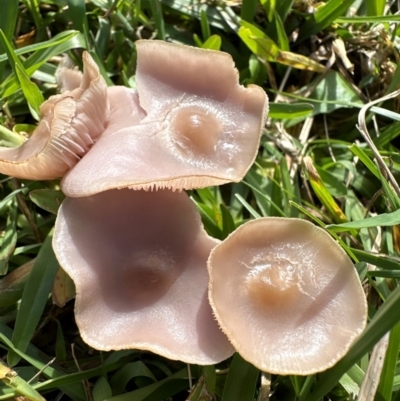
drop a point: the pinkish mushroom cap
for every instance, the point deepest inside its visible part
(286, 295)
(70, 123)
(201, 127)
(139, 263)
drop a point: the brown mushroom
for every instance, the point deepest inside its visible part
(139, 263)
(70, 124)
(286, 295)
(201, 127)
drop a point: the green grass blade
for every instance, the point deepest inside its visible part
(205, 25)
(156, 11)
(77, 14)
(34, 298)
(366, 20)
(157, 391)
(9, 239)
(241, 382)
(53, 42)
(9, 15)
(386, 317)
(36, 60)
(383, 220)
(36, 358)
(324, 17)
(213, 43)
(20, 386)
(228, 225)
(385, 386)
(31, 92)
(246, 205)
(47, 199)
(33, 6)
(280, 30)
(248, 10)
(375, 7)
(283, 8)
(285, 111)
(380, 261)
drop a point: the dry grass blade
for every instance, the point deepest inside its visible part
(373, 374)
(362, 127)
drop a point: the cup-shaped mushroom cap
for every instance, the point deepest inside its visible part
(139, 263)
(286, 295)
(201, 127)
(69, 125)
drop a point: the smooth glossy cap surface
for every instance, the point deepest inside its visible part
(286, 295)
(139, 263)
(200, 127)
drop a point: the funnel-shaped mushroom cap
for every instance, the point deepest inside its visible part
(202, 128)
(70, 124)
(286, 295)
(139, 263)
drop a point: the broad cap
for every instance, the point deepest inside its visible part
(286, 295)
(139, 263)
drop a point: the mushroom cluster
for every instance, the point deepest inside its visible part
(139, 258)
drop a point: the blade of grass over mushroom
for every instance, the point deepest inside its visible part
(323, 17)
(34, 298)
(20, 386)
(385, 318)
(241, 381)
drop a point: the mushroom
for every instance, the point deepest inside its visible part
(286, 295)
(200, 127)
(70, 123)
(139, 263)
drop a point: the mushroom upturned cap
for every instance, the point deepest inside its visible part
(139, 263)
(200, 127)
(69, 125)
(286, 295)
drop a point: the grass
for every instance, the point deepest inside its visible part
(329, 154)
